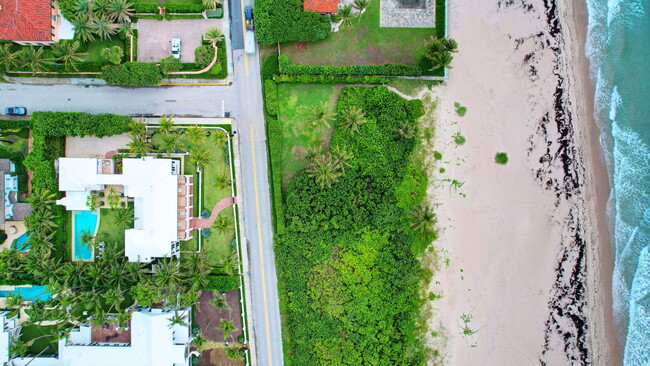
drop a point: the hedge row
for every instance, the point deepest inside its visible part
(388, 69)
(222, 283)
(183, 7)
(274, 138)
(271, 97)
(22, 123)
(278, 21)
(145, 8)
(133, 73)
(331, 79)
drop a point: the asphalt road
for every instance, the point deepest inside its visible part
(244, 100)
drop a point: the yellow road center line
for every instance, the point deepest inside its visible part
(243, 28)
(259, 238)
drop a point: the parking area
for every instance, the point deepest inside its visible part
(155, 37)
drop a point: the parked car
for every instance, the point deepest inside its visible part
(176, 47)
(15, 111)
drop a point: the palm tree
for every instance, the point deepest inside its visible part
(42, 198)
(235, 353)
(167, 273)
(112, 54)
(208, 4)
(17, 347)
(320, 116)
(99, 8)
(125, 29)
(14, 302)
(138, 145)
(450, 44)
(82, 28)
(222, 181)
(324, 170)
(137, 127)
(341, 156)
(229, 263)
(406, 130)
(353, 118)
(87, 238)
(177, 319)
(165, 124)
(227, 327)
(102, 27)
(66, 51)
(360, 5)
(221, 137)
(345, 13)
(33, 58)
(200, 156)
(311, 153)
(81, 7)
(196, 134)
(423, 219)
(169, 143)
(434, 46)
(220, 302)
(223, 224)
(8, 58)
(119, 11)
(441, 60)
(214, 35)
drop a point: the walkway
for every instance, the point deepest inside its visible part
(201, 223)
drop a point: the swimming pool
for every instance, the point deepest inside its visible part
(83, 221)
(31, 293)
(21, 243)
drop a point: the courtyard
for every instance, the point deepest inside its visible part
(155, 37)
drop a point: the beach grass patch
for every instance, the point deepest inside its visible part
(459, 139)
(460, 109)
(501, 158)
(437, 155)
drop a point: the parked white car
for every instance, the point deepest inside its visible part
(176, 47)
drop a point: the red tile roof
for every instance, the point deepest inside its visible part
(319, 6)
(25, 20)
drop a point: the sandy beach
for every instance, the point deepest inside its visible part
(527, 281)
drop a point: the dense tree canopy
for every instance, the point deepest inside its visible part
(278, 21)
(347, 265)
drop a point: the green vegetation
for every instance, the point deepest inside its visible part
(95, 48)
(40, 338)
(365, 43)
(111, 229)
(501, 158)
(271, 97)
(279, 21)
(437, 155)
(133, 73)
(459, 139)
(222, 283)
(298, 134)
(287, 68)
(460, 110)
(347, 253)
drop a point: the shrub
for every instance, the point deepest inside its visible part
(216, 69)
(144, 7)
(203, 56)
(205, 233)
(133, 73)
(270, 67)
(271, 96)
(331, 79)
(279, 21)
(501, 158)
(437, 155)
(170, 64)
(459, 139)
(183, 7)
(215, 14)
(222, 283)
(388, 69)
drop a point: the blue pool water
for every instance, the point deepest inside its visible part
(619, 35)
(21, 243)
(83, 221)
(31, 293)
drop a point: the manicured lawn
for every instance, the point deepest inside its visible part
(294, 101)
(34, 331)
(95, 48)
(363, 43)
(109, 230)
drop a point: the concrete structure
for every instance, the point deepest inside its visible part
(151, 342)
(9, 330)
(163, 199)
(32, 22)
(321, 6)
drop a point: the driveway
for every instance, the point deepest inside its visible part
(155, 37)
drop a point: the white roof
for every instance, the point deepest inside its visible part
(152, 185)
(4, 339)
(153, 343)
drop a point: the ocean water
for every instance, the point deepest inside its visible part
(618, 47)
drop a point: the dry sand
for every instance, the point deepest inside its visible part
(523, 239)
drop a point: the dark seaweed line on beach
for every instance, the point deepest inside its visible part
(567, 320)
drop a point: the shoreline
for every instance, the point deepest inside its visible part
(600, 184)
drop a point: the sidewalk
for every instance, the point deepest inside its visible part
(54, 81)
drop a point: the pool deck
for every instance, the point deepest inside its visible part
(92, 249)
(20, 230)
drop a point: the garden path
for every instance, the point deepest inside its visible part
(201, 223)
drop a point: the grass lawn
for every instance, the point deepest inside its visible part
(95, 48)
(363, 43)
(294, 101)
(109, 229)
(216, 244)
(34, 331)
